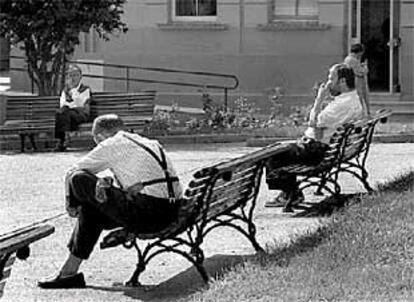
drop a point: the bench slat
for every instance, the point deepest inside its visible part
(224, 206)
(14, 241)
(222, 186)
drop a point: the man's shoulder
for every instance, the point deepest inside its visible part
(346, 96)
(83, 88)
(128, 136)
(351, 61)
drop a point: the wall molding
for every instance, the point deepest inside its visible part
(193, 26)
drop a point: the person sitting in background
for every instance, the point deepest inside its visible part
(142, 196)
(74, 106)
(354, 60)
(310, 149)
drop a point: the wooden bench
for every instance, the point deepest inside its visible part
(225, 195)
(32, 115)
(16, 244)
(29, 116)
(219, 195)
(348, 150)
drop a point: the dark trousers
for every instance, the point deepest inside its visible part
(68, 119)
(310, 152)
(141, 214)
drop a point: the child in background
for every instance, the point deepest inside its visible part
(354, 60)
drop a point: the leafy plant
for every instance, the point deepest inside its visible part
(48, 31)
(160, 123)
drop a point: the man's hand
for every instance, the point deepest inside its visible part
(73, 211)
(323, 92)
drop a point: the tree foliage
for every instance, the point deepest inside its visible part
(48, 31)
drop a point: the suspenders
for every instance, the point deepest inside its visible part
(163, 163)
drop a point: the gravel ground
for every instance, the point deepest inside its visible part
(31, 190)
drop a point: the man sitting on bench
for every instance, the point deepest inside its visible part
(74, 106)
(310, 150)
(144, 197)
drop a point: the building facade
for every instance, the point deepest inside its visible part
(265, 43)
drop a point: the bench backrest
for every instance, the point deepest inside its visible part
(336, 144)
(31, 107)
(352, 139)
(137, 104)
(360, 135)
(356, 141)
(220, 188)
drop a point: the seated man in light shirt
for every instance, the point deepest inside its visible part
(74, 106)
(144, 198)
(345, 107)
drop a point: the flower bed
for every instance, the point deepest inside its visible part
(244, 117)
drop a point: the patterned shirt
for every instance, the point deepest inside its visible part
(345, 107)
(361, 76)
(129, 163)
(76, 97)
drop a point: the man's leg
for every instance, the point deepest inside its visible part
(77, 117)
(62, 124)
(91, 221)
(284, 181)
(307, 153)
(94, 216)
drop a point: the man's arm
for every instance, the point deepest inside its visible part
(81, 98)
(86, 99)
(323, 93)
(62, 100)
(94, 162)
(72, 211)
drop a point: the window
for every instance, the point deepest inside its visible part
(295, 9)
(194, 10)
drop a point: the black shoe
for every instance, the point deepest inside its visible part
(75, 281)
(287, 209)
(295, 198)
(279, 201)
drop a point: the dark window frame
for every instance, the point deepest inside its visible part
(273, 16)
(172, 16)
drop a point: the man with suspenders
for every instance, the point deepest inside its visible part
(143, 194)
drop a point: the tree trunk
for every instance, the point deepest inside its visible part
(46, 69)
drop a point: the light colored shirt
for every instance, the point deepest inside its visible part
(78, 98)
(129, 163)
(361, 78)
(360, 69)
(345, 108)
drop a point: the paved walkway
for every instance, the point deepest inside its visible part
(38, 195)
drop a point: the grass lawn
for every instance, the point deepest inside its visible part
(366, 253)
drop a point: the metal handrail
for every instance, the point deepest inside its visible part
(127, 77)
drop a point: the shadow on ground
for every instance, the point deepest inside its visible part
(189, 281)
(326, 206)
(182, 284)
